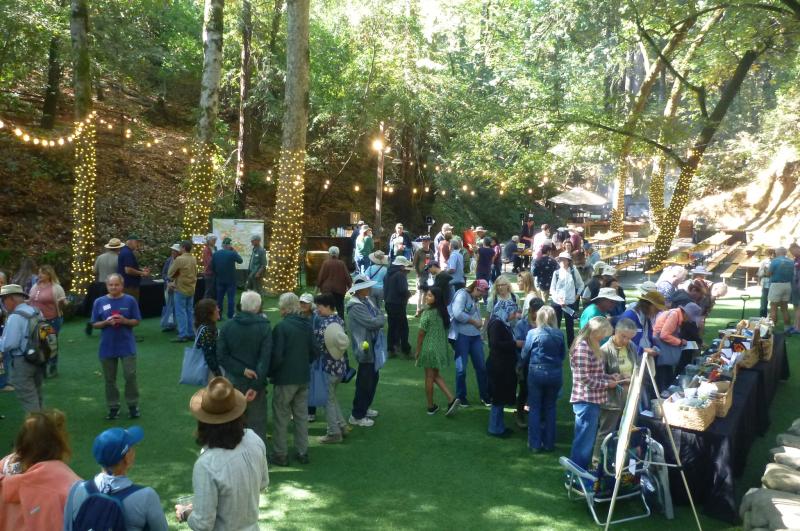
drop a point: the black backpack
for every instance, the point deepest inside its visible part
(100, 511)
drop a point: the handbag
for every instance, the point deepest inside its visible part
(379, 351)
(194, 370)
(317, 385)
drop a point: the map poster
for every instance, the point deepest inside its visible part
(239, 231)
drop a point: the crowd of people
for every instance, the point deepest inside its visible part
(530, 333)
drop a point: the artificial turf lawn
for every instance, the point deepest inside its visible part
(410, 470)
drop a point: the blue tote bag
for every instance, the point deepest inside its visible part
(194, 370)
(317, 386)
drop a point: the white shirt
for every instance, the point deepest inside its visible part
(227, 484)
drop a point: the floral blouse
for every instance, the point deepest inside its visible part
(329, 365)
(207, 341)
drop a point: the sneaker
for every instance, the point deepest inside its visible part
(331, 439)
(433, 410)
(7, 389)
(486, 403)
(279, 460)
(302, 459)
(312, 418)
(464, 403)
(452, 407)
(133, 412)
(366, 422)
(372, 413)
(113, 413)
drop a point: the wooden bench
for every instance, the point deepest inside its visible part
(718, 257)
(736, 261)
(633, 262)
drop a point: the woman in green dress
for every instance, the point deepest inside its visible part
(433, 351)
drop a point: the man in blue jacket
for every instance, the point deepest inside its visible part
(223, 266)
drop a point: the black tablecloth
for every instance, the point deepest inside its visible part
(713, 458)
(151, 296)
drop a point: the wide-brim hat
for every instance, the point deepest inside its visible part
(700, 270)
(175, 247)
(378, 258)
(12, 289)
(218, 403)
(564, 256)
(403, 261)
(114, 243)
(479, 228)
(598, 266)
(693, 312)
(609, 271)
(648, 286)
(655, 298)
(608, 293)
(361, 282)
(336, 340)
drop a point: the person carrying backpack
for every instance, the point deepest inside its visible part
(27, 371)
(111, 501)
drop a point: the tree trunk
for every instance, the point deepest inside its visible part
(689, 168)
(53, 89)
(268, 67)
(656, 194)
(243, 147)
(85, 187)
(287, 228)
(81, 72)
(640, 102)
(200, 186)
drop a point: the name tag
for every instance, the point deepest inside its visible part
(106, 307)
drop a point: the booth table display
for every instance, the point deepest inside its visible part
(714, 457)
(151, 296)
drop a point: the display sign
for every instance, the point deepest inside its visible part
(239, 231)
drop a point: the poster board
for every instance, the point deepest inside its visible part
(629, 414)
(239, 231)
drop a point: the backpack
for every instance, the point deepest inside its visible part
(102, 511)
(42, 339)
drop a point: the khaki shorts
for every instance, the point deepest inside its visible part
(780, 292)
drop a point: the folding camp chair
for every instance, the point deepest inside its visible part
(598, 487)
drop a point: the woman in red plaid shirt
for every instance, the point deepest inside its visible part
(589, 386)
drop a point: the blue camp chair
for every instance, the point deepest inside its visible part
(598, 487)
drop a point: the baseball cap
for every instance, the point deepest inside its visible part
(481, 285)
(307, 298)
(227, 241)
(113, 444)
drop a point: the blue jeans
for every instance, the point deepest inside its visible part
(366, 385)
(168, 320)
(184, 314)
(470, 347)
(6, 376)
(52, 363)
(587, 418)
(496, 424)
(229, 289)
(544, 383)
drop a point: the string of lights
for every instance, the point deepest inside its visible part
(83, 205)
(287, 228)
(199, 198)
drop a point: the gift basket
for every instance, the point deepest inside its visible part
(689, 413)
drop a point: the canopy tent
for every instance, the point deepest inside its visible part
(579, 196)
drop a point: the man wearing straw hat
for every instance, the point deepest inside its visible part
(26, 378)
(232, 470)
(107, 263)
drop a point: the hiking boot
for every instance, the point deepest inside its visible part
(452, 407)
(133, 412)
(279, 460)
(113, 413)
(331, 439)
(365, 422)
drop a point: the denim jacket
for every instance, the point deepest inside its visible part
(462, 309)
(544, 346)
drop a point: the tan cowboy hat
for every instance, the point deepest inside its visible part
(655, 298)
(114, 243)
(336, 340)
(218, 403)
(378, 258)
(12, 289)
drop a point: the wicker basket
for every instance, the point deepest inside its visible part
(690, 418)
(725, 401)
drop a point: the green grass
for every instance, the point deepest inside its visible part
(410, 470)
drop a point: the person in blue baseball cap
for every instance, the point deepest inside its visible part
(115, 451)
